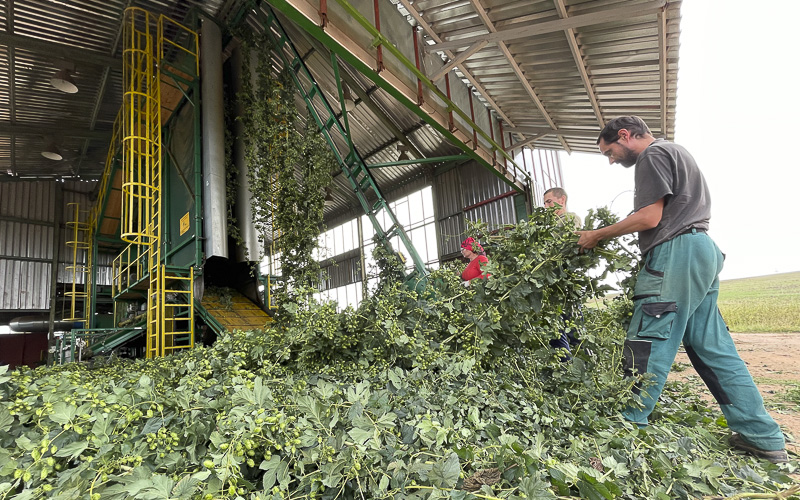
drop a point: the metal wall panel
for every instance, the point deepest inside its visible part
(462, 187)
(447, 193)
(27, 214)
(24, 285)
(342, 273)
(33, 201)
(451, 231)
(495, 214)
(26, 241)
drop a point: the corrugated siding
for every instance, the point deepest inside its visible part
(342, 273)
(27, 214)
(461, 188)
(544, 167)
(28, 200)
(496, 213)
(451, 230)
(25, 285)
(26, 241)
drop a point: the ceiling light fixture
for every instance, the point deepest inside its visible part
(329, 197)
(51, 152)
(403, 150)
(62, 80)
(349, 102)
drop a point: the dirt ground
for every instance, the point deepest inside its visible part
(774, 362)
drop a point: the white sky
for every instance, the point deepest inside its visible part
(737, 92)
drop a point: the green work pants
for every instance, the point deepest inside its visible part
(676, 300)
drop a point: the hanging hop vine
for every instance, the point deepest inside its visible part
(287, 172)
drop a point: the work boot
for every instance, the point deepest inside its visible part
(776, 457)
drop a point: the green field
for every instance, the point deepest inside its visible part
(762, 304)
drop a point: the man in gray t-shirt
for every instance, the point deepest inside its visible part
(675, 298)
(665, 169)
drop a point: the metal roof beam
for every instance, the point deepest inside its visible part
(11, 86)
(59, 50)
(577, 54)
(525, 142)
(533, 29)
(429, 30)
(662, 68)
(476, 4)
(463, 56)
(558, 131)
(20, 129)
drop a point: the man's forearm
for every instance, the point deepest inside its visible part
(646, 218)
(635, 222)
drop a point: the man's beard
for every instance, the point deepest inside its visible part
(629, 159)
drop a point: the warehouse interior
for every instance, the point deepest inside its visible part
(122, 159)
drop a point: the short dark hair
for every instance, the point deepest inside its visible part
(558, 192)
(633, 124)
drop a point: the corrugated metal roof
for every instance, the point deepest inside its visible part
(543, 84)
(619, 56)
(39, 37)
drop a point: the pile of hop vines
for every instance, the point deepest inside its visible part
(449, 393)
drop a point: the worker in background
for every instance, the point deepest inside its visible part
(557, 197)
(676, 291)
(473, 251)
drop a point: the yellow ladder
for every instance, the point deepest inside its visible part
(79, 243)
(178, 312)
(169, 325)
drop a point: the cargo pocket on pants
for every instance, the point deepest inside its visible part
(636, 356)
(656, 320)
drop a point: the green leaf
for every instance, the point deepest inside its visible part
(160, 488)
(275, 470)
(533, 487)
(311, 408)
(24, 443)
(262, 394)
(185, 488)
(360, 436)
(394, 378)
(72, 450)
(445, 472)
(332, 473)
(383, 484)
(595, 491)
(101, 427)
(63, 413)
(6, 420)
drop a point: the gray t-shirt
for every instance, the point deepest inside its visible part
(667, 170)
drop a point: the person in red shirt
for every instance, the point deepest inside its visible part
(472, 250)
